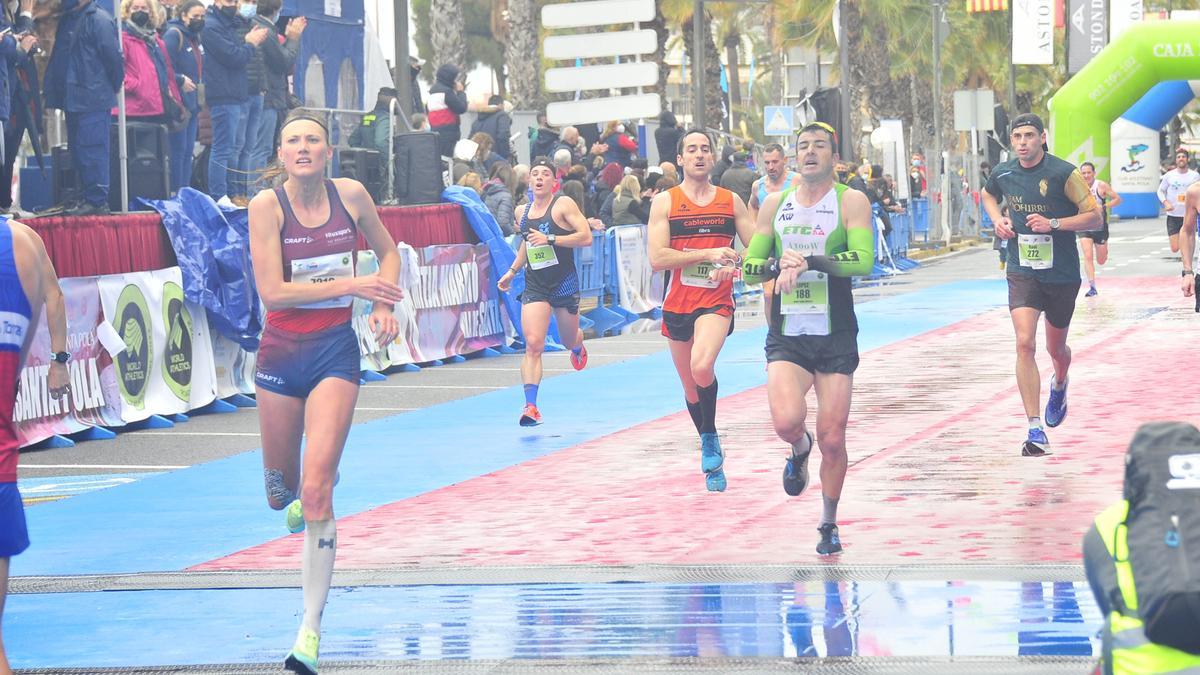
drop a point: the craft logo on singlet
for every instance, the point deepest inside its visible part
(133, 362)
(177, 359)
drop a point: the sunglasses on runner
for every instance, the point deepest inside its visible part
(823, 127)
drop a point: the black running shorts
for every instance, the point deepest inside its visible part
(681, 327)
(1098, 237)
(1056, 300)
(833, 353)
(567, 302)
(1174, 225)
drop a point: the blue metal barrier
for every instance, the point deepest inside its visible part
(920, 216)
(593, 270)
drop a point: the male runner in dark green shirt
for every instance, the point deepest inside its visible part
(1048, 202)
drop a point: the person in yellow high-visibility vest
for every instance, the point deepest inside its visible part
(1106, 557)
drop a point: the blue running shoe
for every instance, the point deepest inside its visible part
(830, 541)
(1036, 445)
(711, 456)
(795, 471)
(1056, 406)
(1092, 292)
(715, 481)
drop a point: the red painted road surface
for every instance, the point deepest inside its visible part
(936, 475)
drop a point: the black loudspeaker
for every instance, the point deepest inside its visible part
(364, 166)
(66, 183)
(418, 168)
(149, 167)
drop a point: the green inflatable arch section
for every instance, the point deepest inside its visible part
(1083, 110)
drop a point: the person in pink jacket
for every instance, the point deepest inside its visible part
(151, 94)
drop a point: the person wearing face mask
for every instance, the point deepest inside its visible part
(151, 94)
(182, 40)
(228, 50)
(82, 78)
(620, 146)
(278, 57)
(917, 183)
(256, 87)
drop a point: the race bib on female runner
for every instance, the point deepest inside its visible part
(322, 269)
(1035, 251)
(541, 257)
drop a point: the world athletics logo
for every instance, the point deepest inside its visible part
(133, 362)
(177, 357)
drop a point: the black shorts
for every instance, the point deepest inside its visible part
(833, 353)
(1056, 300)
(1098, 237)
(567, 302)
(1174, 225)
(681, 327)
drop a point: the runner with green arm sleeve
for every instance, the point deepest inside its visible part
(812, 239)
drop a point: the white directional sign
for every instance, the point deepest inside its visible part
(614, 76)
(779, 120)
(603, 109)
(597, 13)
(598, 45)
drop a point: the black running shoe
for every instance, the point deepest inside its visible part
(795, 471)
(830, 541)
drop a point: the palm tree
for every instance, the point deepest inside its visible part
(446, 24)
(679, 13)
(521, 54)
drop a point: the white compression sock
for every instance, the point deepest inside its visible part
(320, 549)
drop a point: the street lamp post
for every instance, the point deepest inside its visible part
(934, 164)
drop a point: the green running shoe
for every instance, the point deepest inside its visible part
(295, 517)
(303, 657)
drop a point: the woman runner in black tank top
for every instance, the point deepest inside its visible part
(551, 284)
(302, 242)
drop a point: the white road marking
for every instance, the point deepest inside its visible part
(196, 433)
(164, 467)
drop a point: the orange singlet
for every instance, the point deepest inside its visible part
(694, 227)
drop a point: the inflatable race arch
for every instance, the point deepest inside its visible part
(1110, 112)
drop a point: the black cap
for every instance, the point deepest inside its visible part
(1026, 120)
(390, 92)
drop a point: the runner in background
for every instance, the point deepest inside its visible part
(691, 235)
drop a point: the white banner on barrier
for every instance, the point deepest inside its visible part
(232, 365)
(167, 352)
(94, 399)
(450, 306)
(639, 288)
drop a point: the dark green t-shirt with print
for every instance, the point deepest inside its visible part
(1055, 189)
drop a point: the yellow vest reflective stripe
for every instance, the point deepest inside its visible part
(1127, 651)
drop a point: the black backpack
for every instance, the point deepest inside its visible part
(1162, 485)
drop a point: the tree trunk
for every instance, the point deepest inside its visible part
(714, 108)
(713, 98)
(446, 24)
(775, 57)
(659, 26)
(521, 55)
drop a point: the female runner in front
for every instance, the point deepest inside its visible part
(303, 237)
